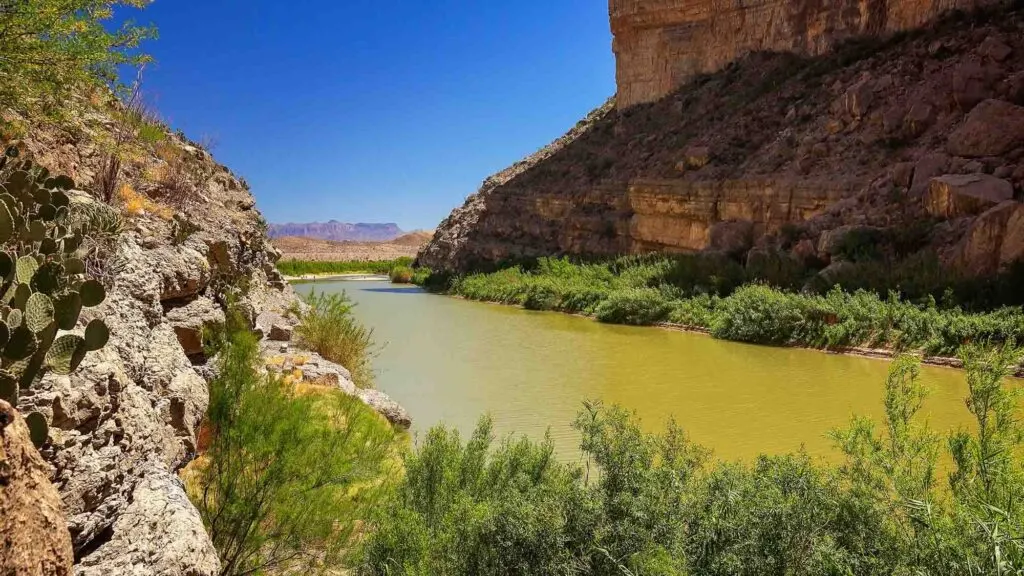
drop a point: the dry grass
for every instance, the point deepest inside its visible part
(136, 204)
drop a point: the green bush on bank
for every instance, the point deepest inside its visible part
(644, 503)
(305, 267)
(287, 477)
(649, 290)
(328, 328)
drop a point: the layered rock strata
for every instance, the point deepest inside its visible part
(889, 134)
(660, 45)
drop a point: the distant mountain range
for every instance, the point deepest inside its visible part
(338, 231)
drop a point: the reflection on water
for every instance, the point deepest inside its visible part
(450, 360)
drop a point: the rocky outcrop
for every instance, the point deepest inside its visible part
(301, 365)
(124, 423)
(774, 149)
(34, 539)
(660, 45)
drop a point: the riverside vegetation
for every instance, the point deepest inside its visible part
(301, 481)
(304, 267)
(926, 313)
(658, 504)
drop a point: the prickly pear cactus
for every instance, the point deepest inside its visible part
(43, 284)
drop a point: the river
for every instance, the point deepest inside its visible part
(449, 361)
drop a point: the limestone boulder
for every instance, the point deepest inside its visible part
(34, 538)
(955, 195)
(158, 533)
(191, 320)
(993, 128)
(994, 240)
(386, 407)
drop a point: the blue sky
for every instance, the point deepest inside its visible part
(376, 110)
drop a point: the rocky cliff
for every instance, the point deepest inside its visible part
(124, 424)
(884, 133)
(661, 44)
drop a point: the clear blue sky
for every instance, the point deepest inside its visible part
(376, 110)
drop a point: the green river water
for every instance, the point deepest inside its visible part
(449, 361)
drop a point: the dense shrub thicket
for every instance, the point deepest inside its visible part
(287, 476)
(303, 267)
(712, 293)
(657, 504)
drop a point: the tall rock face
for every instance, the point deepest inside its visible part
(124, 423)
(661, 44)
(777, 150)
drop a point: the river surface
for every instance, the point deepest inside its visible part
(449, 361)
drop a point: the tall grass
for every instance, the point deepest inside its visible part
(303, 267)
(662, 506)
(328, 328)
(687, 291)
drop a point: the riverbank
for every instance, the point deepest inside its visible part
(649, 292)
(352, 277)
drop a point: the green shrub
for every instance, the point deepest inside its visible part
(638, 306)
(305, 267)
(759, 314)
(462, 509)
(658, 504)
(287, 477)
(329, 329)
(401, 275)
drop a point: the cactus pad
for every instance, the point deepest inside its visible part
(92, 292)
(7, 228)
(38, 312)
(49, 246)
(6, 265)
(66, 353)
(26, 267)
(8, 388)
(47, 212)
(38, 429)
(96, 335)
(41, 196)
(36, 230)
(13, 320)
(49, 278)
(66, 310)
(22, 344)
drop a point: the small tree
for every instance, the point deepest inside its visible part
(48, 48)
(287, 476)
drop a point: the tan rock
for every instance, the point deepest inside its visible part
(1012, 248)
(190, 321)
(991, 242)
(993, 128)
(955, 195)
(661, 44)
(34, 538)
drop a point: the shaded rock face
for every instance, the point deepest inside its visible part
(852, 138)
(661, 44)
(34, 539)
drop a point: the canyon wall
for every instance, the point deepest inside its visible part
(778, 150)
(661, 44)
